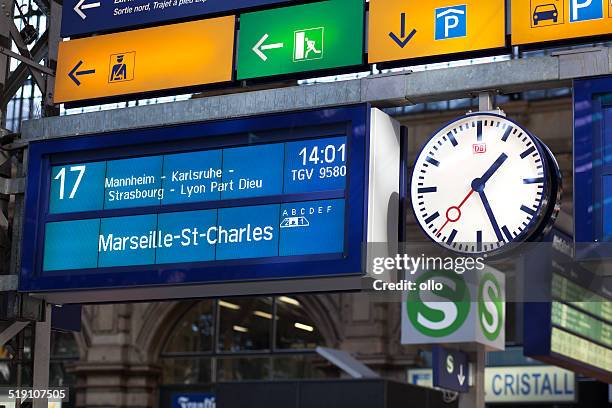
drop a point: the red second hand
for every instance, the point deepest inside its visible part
(458, 208)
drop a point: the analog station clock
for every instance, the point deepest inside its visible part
(483, 182)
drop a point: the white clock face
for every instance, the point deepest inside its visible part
(479, 184)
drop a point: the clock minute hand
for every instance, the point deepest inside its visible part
(487, 206)
(479, 183)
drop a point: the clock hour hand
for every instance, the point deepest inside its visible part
(479, 183)
(487, 206)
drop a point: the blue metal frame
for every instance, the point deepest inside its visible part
(353, 121)
(589, 168)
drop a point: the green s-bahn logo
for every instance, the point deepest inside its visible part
(490, 306)
(443, 311)
(440, 313)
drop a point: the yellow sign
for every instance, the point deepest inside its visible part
(549, 20)
(403, 29)
(151, 59)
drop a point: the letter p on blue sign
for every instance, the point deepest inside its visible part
(584, 10)
(451, 22)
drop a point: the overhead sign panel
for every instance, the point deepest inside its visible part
(535, 21)
(404, 29)
(82, 17)
(152, 59)
(301, 38)
(201, 203)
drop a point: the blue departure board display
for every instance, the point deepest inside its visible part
(276, 197)
(241, 172)
(312, 227)
(273, 169)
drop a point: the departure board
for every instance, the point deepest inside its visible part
(573, 329)
(582, 323)
(273, 170)
(581, 350)
(272, 197)
(573, 320)
(567, 291)
(271, 230)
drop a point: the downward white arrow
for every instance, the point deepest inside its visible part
(460, 376)
(259, 47)
(80, 7)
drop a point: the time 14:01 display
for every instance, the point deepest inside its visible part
(327, 155)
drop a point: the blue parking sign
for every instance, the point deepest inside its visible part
(585, 10)
(451, 22)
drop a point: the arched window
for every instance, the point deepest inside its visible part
(242, 339)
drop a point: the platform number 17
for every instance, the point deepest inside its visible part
(61, 176)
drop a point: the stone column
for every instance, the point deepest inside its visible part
(115, 371)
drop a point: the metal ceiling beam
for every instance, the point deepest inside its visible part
(30, 59)
(27, 61)
(8, 283)
(7, 334)
(23, 50)
(5, 42)
(511, 76)
(43, 5)
(17, 78)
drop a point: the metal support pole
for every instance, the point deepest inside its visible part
(55, 19)
(476, 397)
(20, 353)
(11, 331)
(6, 164)
(42, 353)
(6, 14)
(486, 101)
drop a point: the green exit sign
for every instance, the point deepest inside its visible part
(301, 38)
